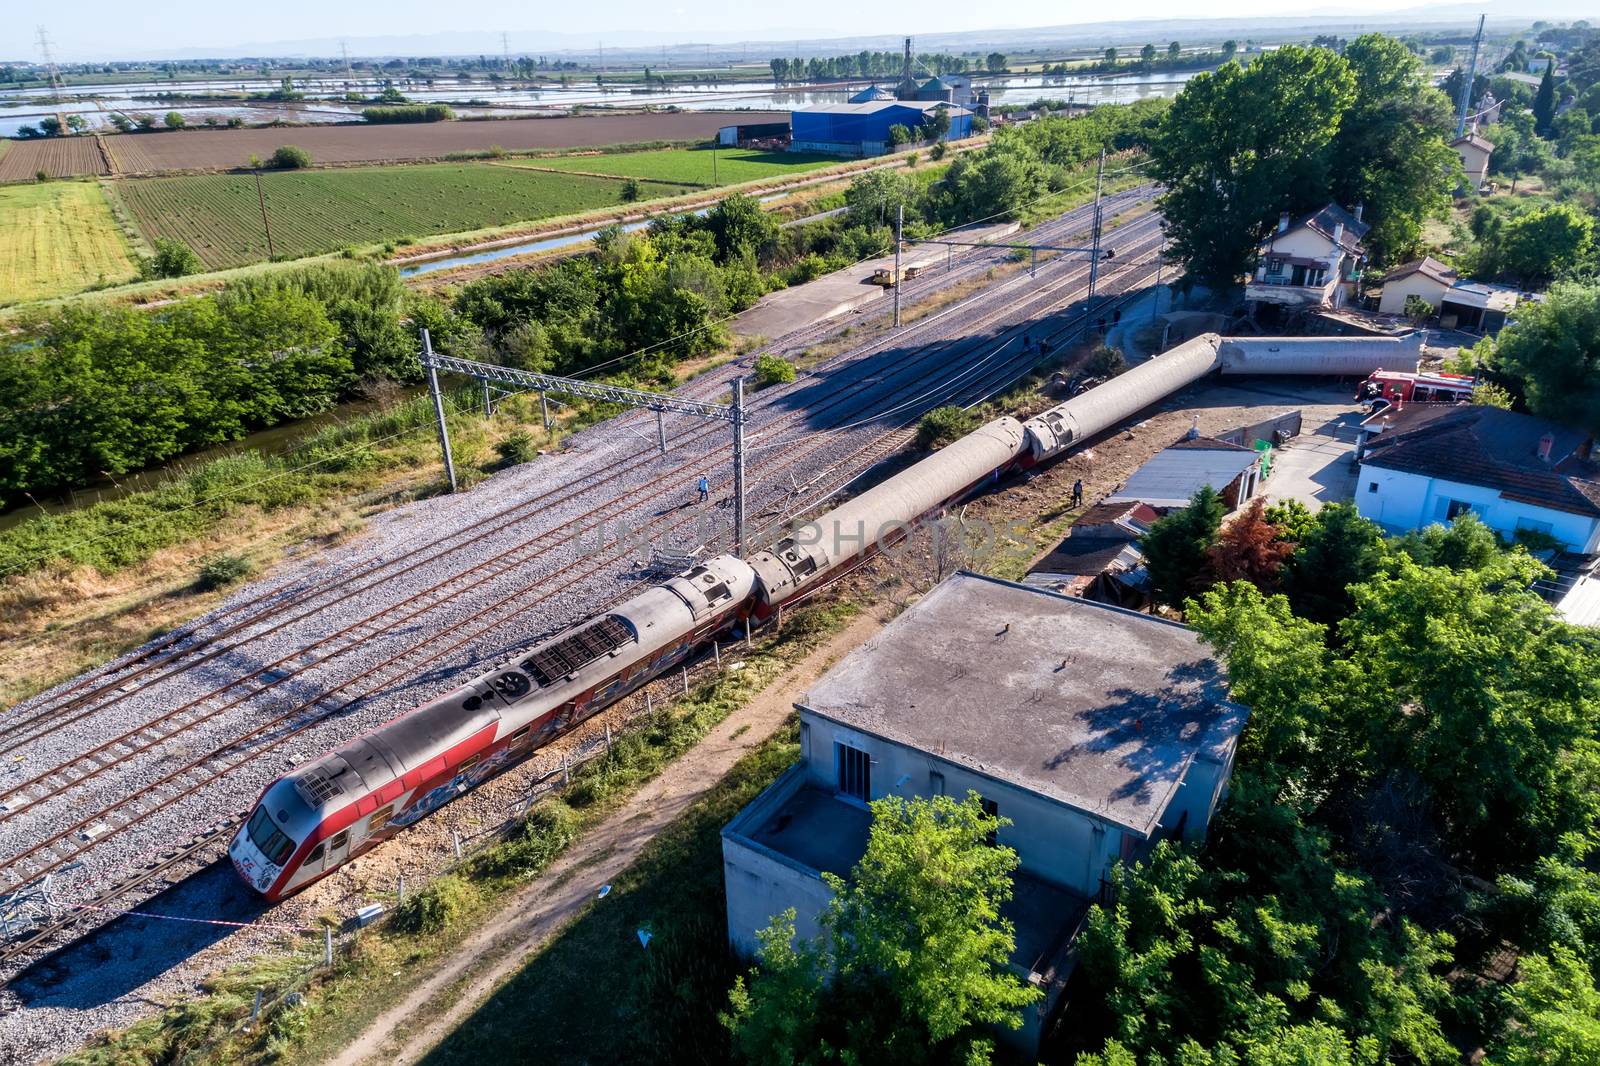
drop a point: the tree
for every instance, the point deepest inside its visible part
(1544, 101)
(1335, 551)
(1551, 355)
(1391, 152)
(290, 157)
(995, 61)
(1239, 146)
(740, 226)
(77, 123)
(1174, 52)
(1176, 548)
(51, 126)
(899, 134)
(1557, 1012)
(1249, 549)
(1536, 246)
(172, 259)
(873, 198)
(1111, 57)
(630, 190)
(1147, 56)
(912, 962)
(174, 120)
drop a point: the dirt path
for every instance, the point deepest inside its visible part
(529, 918)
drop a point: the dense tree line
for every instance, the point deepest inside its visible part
(96, 390)
(1296, 129)
(1416, 790)
(868, 64)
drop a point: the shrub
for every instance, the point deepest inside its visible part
(938, 151)
(434, 908)
(40, 176)
(806, 268)
(174, 120)
(290, 157)
(518, 448)
(631, 190)
(773, 370)
(173, 259)
(221, 570)
(1105, 362)
(409, 113)
(942, 425)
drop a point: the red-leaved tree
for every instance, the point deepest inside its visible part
(1248, 549)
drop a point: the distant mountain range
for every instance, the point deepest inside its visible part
(644, 45)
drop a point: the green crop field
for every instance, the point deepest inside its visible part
(315, 211)
(693, 165)
(58, 238)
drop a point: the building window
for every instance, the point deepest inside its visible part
(855, 772)
(935, 783)
(1372, 486)
(1533, 526)
(1274, 266)
(1455, 509)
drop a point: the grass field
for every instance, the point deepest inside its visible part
(317, 211)
(692, 165)
(56, 238)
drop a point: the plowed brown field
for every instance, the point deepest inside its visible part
(59, 157)
(137, 153)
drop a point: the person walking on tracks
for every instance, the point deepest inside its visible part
(705, 489)
(1077, 493)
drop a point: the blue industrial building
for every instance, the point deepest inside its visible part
(863, 129)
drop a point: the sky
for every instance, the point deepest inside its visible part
(103, 29)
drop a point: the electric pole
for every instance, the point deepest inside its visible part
(899, 222)
(1464, 102)
(739, 545)
(1094, 254)
(438, 409)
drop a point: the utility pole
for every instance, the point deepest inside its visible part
(1094, 255)
(713, 164)
(899, 222)
(1161, 261)
(261, 198)
(739, 545)
(438, 409)
(1464, 102)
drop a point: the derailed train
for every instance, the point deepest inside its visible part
(323, 813)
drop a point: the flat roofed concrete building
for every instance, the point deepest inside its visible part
(1096, 731)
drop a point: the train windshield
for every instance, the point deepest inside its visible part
(269, 839)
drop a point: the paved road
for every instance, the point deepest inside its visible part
(1316, 468)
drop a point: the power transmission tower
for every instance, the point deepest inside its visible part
(505, 50)
(1464, 103)
(49, 60)
(344, 50)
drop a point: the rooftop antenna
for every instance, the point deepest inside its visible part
(1465, 102)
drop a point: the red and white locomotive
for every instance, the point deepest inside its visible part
(324, 813)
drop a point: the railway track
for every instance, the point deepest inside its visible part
(187, 649)
(226, 758)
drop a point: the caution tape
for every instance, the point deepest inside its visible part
(197, 921)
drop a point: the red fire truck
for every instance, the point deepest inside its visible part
(1386, 388)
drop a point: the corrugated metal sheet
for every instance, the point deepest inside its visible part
(1172, 477)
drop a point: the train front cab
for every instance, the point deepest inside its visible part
(270, 841)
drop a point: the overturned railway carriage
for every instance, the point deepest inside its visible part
(318, 816)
